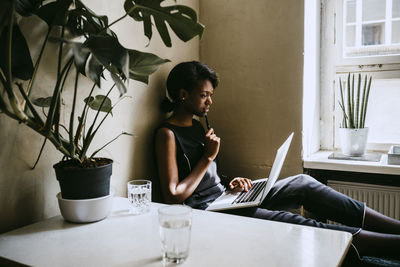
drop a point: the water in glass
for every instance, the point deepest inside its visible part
(175, 224)
(139, 195)
(175, 240)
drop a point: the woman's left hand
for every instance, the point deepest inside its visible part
(241, 183)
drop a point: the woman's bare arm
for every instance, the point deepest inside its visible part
(173, 190)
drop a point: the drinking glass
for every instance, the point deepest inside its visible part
(175, 226)
(139, 195)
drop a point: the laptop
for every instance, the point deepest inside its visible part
(260, 189)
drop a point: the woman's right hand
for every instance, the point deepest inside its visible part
(211, 145)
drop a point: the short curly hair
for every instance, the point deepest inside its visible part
(187, 75)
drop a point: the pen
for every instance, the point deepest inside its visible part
(207, 122)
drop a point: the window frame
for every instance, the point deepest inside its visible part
(334, 65)
(340, 39)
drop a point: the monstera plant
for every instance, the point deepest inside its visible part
(87, 47)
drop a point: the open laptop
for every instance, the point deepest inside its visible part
(257, 193)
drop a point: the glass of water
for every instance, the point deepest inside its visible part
(139, 195)
(175, 225)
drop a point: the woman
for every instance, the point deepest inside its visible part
(187, 169)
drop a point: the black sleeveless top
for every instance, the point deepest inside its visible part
(189, 149)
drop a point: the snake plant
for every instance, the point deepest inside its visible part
(354, 101)
(99, 53)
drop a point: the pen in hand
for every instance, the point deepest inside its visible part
(207, 122)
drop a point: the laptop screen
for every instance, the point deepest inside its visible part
(277, 166)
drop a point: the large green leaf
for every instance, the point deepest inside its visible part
(27, 7)
(120, 83)
(95, 70)
(112, 55)
(81, 58)
(81, 55)
(21, 64)
(5, 13)
(109, 52)
(181, 19)
(142, 64)
(54, 13)
(83, 21)
(95, 103)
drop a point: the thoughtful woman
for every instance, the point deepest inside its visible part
(187, 169)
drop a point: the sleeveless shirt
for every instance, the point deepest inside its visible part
(189, 149)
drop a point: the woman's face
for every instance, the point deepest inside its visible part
(198, 101)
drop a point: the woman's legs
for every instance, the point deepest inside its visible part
(288, 217)
(380, 235)
(377, 222)
(370, 243)
(317, 198)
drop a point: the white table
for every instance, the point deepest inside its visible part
(217, 240)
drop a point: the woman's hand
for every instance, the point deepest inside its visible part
(241, 183)
(211, 145)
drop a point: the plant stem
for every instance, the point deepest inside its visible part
(40, 154)
(8, 72)
(60, 49)
(98, 150)
(35, 114)
(35, 69)
(121, 18)
(82, 119)
(90, 136)
(56, 96)
(109, 25)
(3, 108)
(3, 105)
(71, 120)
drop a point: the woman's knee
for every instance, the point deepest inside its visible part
(304, 180)
(303, 183)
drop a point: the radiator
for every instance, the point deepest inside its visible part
(384, 199)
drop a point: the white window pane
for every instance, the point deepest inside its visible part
(373, 34)
(351, 11)
(383, 111)
(373, 10)
(350, 36)
(396, 8)
(395, 32)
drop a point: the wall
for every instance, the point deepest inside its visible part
(257, 48)
(28, 195)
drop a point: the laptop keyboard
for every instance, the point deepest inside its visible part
(252, 194)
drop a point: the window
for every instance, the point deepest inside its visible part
(371, 27)
(357, 36)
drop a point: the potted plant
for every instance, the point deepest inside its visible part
(88, 48)
(354, 103)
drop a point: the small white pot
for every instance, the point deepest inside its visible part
(353, 141)
(85, 210)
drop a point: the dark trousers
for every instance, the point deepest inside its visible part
(317, 198)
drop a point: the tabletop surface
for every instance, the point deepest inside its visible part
(217, 239)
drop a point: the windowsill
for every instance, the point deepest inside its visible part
(319, 160)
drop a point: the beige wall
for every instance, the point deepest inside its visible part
(28, 195)
(256, 47)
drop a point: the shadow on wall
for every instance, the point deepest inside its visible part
(143, 160)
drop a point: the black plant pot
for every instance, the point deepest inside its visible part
(83, 183)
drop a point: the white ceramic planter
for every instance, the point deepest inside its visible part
(85, 210)
(353, 141)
